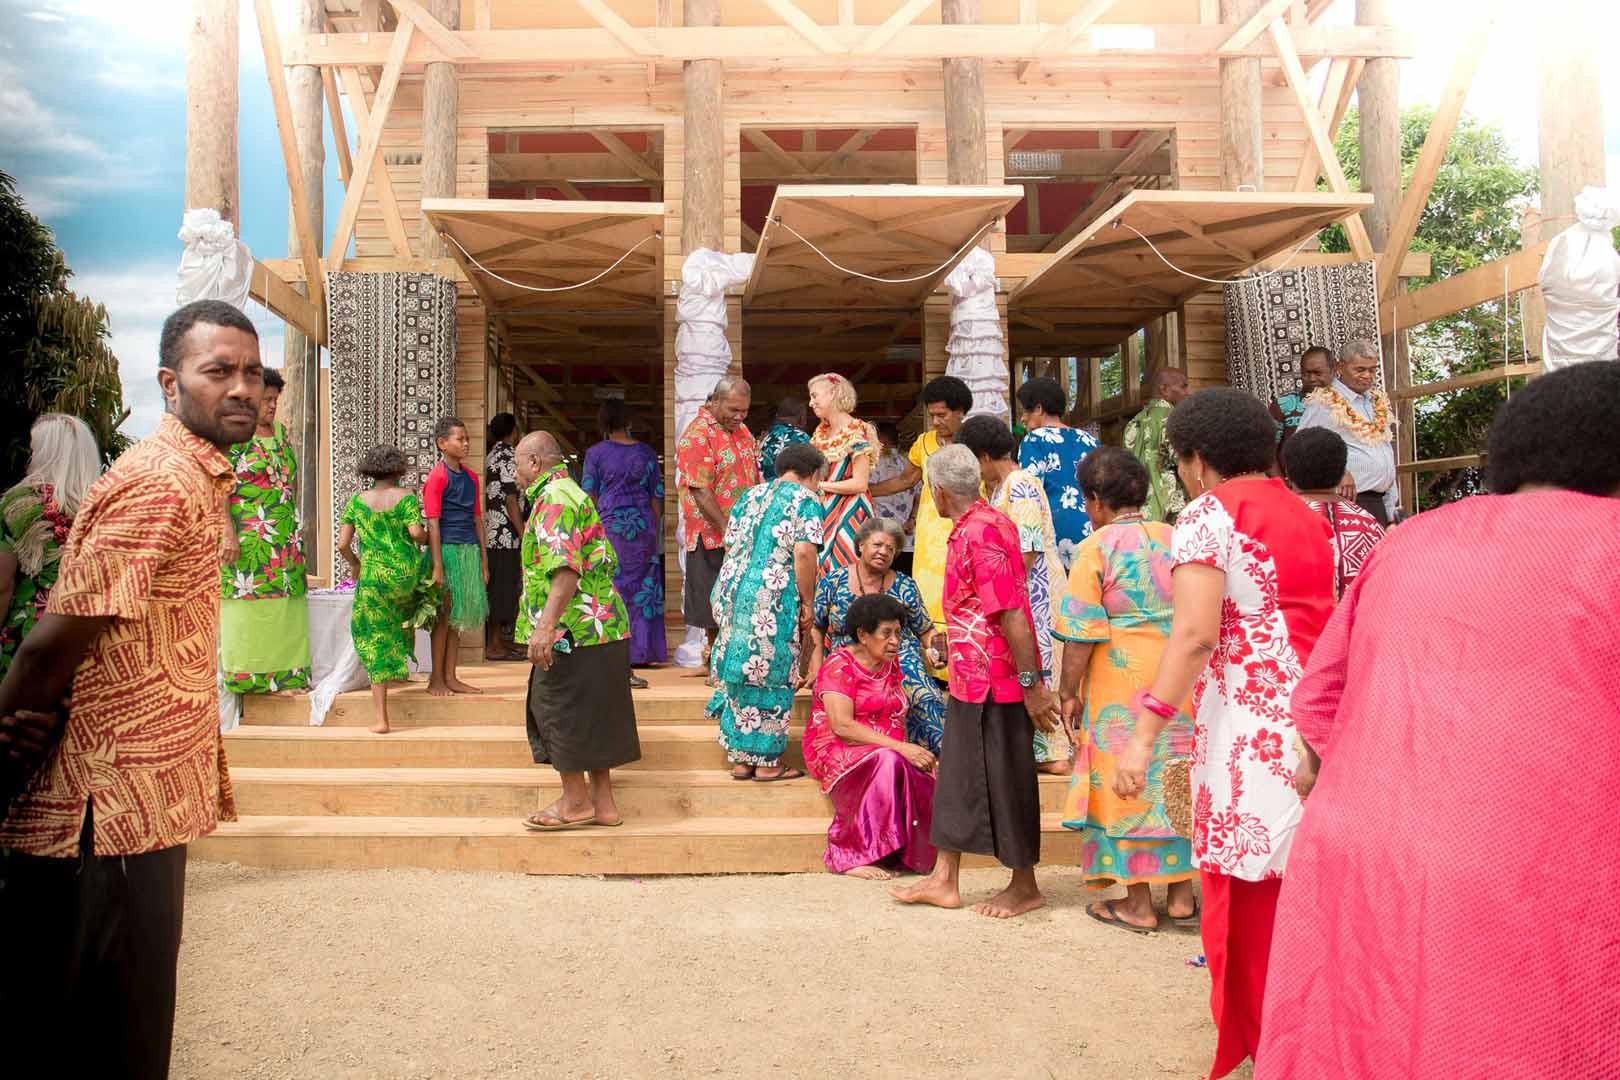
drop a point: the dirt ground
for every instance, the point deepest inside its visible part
(415, 973)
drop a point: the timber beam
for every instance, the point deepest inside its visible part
(774, 44)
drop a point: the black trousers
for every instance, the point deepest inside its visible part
(91, 944)
(1373, 503)
(987, 800)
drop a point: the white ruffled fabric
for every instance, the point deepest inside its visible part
(975, 352)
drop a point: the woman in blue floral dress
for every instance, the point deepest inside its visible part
(623, 478)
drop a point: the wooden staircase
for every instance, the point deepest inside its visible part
(448, 788)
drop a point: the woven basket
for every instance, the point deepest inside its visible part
(1178, 803)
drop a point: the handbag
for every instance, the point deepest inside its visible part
(1178, 801)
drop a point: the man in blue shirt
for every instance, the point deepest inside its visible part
(1363, 418)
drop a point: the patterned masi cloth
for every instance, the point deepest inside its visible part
(1271, 321)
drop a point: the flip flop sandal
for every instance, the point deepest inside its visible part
(562, 824)
(1113, 919)
(749, 775)
(606, 824)
(789, 774)
(1188, 922)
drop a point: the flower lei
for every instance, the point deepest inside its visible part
(1380, 429)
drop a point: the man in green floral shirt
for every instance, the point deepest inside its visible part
(1145, 438)
(581, 715)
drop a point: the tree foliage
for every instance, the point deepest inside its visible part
(54, 351)
(1472, 217)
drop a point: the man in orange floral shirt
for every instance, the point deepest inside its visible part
(103, 802)
(715, 462)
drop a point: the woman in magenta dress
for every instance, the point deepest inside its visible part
(881, 787)
(1449, 908)
(623, 478)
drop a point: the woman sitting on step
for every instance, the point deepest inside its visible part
(881, 786)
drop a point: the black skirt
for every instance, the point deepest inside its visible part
(505, 584)
(702, 571)
(987, 800)
(580, 714)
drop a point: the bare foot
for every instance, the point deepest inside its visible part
(381, 728)
(869, 873)
(929, 891)
(438, 688)
(458, 687)
(1056, 768)
(1010, 903)
(696, 673)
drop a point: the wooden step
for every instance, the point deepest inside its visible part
(673, 700)
(643, 794)
(696, 845)
(663, 747)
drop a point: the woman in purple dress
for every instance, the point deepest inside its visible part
(623, 477)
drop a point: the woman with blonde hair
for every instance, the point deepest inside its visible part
(35, 518)
(851, 448)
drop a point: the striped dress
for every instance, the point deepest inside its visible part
(845, 514)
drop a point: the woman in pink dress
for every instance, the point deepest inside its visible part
(1450, 903)
(1251, 590)
(882, 787)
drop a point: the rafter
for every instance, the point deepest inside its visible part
(340, 133)
(370, 157)
(614, 23)
(387, 201)
(1080, 22)
(1144, 146)
(308, 243)
(1337, 90)
(762, 142)
(619, 149)
(448, 41)
(902, 18)
(1255, 25)
(808, 28)
(852, 145)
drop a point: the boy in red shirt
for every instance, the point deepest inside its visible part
(453, 506)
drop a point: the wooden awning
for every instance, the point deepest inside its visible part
(886, 231)
(1107, 282)
(554, 244)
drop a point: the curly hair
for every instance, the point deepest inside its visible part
(383, 463)
(172, 341)
(445, 425)
(274, 380)
(1560, 431)
(987, 435)
(1114, 478)
(949, 391)
(501, 425)
(1230, 430)
(1046, 393)
(1314, 459)
(800, 459)
(868, 612)
(840, 391)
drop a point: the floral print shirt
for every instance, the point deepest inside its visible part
(565, 533)
(984, 576)
(264, 507)
(779, 438)
(500, 480)
(1145, 439)
(725, 462)
(1053, 456)
(33, 530)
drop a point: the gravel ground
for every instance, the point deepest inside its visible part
(415, 973)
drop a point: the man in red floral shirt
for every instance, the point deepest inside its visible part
(715, 462)
(987, 799)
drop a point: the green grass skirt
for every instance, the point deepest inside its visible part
(464, 578)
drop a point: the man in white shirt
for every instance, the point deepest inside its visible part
(901, 507)
(1362, 417)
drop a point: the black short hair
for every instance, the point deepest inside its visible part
(612, 416)
(790, 408)
(1233, 432)
(1559, 430)
(1114, 478)
(1314, 459)
(948, 391)
(889, 430)
(800, 459)
(869, 610)
(1047, 393)
(445, 426)
(383, 462)
(988, 435)
(1323, 349)
(501, 425)
(171, 343)
(273, 379)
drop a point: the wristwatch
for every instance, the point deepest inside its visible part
(1028, 679)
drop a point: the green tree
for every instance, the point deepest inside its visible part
(1472, 217)
(54, 352)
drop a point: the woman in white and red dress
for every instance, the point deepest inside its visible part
(1252, 589)
(1314, 463)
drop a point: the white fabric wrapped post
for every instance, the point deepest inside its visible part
(975, 352)
(215, 265)
(1580, 281)
(702, 356)
(336, 667)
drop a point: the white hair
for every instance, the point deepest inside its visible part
(1357, 349)
(64, 455)
(955, 469)
(728, 385)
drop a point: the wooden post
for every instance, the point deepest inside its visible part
(1242, 134)
(440, 101)
(965, 160)
(936, 331)
(1570, 127)
(211, 108)
(301, 357)
(703, 125)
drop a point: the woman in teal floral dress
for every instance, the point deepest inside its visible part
(263, 622)
(763, 602)
(393, 593)
(35, 518)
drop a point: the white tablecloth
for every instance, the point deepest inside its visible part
(336, 666)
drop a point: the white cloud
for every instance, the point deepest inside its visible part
(138, 299)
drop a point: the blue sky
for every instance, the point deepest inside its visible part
(92, 125)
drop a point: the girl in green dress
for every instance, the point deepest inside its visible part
(394, 595)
